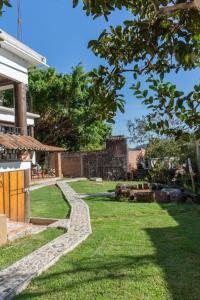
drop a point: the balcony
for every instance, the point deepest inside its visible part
(9, 129)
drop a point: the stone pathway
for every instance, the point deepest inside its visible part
(53, 182)
(41, 185)
(15, 278)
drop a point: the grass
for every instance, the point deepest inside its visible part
(90, 187)
(16, 250)
(48, 202)
(137, 252)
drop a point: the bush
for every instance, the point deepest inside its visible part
(161, 174)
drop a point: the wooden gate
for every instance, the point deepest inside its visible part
(12, 195)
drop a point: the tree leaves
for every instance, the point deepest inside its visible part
(150, 43)
(69, 116)
(75, 3)
(4, 3)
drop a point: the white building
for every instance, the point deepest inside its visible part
(17, 144)
(7, 121)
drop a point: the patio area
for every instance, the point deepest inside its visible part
(43, 180)
(18, 229)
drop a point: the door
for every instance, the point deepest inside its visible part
(12, 195)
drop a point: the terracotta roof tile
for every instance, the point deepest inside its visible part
(19, 142)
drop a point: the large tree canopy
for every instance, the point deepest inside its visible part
(158, 146)
(159, 37)
(69, 117)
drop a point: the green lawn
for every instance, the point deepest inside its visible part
(87, 187)
(137, 252)
(48, 202)
(14, 251)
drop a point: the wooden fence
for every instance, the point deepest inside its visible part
(12, 195)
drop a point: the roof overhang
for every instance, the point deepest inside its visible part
(19, 49)
(28, 143)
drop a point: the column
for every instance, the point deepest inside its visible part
(27, 196)
(20, 107)
(32, 131)
(58, 165)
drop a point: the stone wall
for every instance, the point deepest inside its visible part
(111, 163)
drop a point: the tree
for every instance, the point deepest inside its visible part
(4, 3)
(172, 107)
(166, 148)
(6, 98)
(161, 146)
(161, 36)
(139, 132)
(169, 154)
(69, 118)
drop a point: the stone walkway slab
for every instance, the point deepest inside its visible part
(15, 278)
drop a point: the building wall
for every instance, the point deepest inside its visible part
(134, 156)
(13, 67)
(71, 164)
(14, 166)
(111, 163)
(7, 118)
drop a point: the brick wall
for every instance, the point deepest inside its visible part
(71, 164)
(111, 163)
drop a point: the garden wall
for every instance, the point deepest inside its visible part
(111, 163)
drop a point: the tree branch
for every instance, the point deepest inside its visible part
(156, 5)
(195, 5)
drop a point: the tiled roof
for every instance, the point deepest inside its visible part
(19, 142)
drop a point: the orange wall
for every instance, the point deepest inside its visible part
(133, 156)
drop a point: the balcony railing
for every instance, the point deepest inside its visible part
(10, 129)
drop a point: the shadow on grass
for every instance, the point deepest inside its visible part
(94, 269)
(178, 251)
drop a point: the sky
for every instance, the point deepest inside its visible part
(61, 34)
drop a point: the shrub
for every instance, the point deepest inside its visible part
(161, 174)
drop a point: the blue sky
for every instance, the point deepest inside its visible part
(61, 33)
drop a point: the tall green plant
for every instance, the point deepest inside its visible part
(68, 116)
